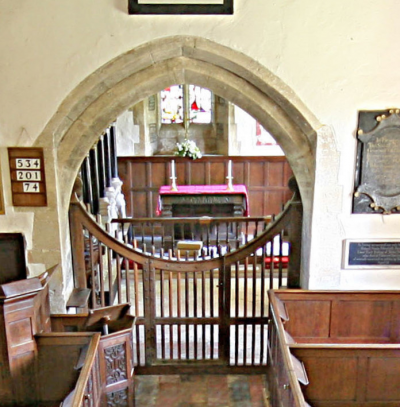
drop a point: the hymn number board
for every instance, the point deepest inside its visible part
(28, 184)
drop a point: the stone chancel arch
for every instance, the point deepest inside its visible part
(142, 72)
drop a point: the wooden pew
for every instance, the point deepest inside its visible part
(342, 316)
(351, 375)
(115, 348)
(67, 369)
(39, 367)
(348, 343)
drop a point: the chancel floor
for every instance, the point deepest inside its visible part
(201, 391)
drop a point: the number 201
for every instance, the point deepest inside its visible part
(28, 175)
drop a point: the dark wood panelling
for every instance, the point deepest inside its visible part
(331, 378)
(257, 202)
(257, 178)
(350, 376)
(12, 257)
(370, 319)
(347, 316)
(138, 175)
(140, 204)
(61, 358)
(265, 177)
(275, 199)
(381, 373)
(275, 175)
(240, 172)
(353, 365)
(309, 319)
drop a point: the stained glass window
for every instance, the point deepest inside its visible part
(172, 104)
(190, 101)
(200, 104)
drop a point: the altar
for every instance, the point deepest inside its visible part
(203, 200)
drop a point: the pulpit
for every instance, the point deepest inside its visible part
(203, 200)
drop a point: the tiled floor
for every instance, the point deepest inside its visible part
(201, 391)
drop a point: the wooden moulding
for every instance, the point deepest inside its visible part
(21, 287)
(27, 286)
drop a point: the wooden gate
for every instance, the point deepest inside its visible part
(201, 319)
(208, 313)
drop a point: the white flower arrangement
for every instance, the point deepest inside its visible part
(188, 149)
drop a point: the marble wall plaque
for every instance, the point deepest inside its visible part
(377, 166)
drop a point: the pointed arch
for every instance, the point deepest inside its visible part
(129, 78)
(144, 71)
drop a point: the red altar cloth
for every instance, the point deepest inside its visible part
(204, 190)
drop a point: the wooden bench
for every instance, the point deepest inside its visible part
(348, 343)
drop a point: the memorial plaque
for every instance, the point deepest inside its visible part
(152, 103)
(377, 172)
(372, 253)
(153, 132)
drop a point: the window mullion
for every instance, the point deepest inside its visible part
(186, 107)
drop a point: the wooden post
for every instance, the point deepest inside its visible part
(77, 246)
(224, 312)
(295, 234)
(95, 179)
(107, 157)
(101, 167)
(87, 182)
(150, 312)
(113, 152)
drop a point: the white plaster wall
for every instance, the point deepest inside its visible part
(337, 56)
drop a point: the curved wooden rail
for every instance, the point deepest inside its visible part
(289, 219)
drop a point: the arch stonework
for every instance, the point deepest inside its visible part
(144, 71)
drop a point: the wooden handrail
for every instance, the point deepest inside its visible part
(79, 215)
(87, 370)
(287, 369)
(200, 220)
(164, 233)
